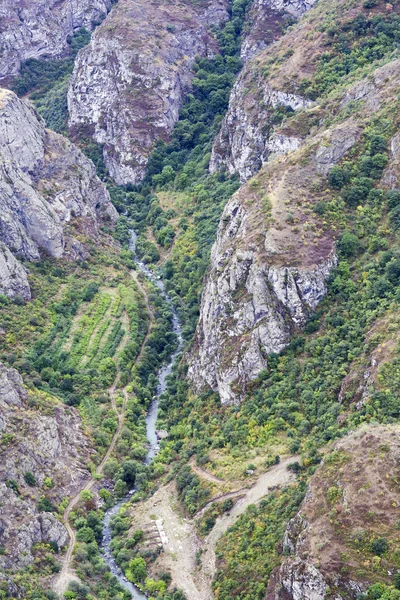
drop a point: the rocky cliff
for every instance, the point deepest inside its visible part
(129, 83)
(266, 22)
(274, 252)
(40, 436)
(42, 28)
(269, 266)
(49, 193)
(248, 136)
(352, 501)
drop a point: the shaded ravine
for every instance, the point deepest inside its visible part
(151, 419)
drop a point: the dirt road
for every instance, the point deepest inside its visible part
(66, 574)
(276, 476)
(179, 556)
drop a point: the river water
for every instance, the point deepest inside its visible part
(151, 419)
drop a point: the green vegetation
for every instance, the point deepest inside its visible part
(80, 335)
(190, 492)
(298, 394)
(180, 168)
(208, 520)
(249, 551)
(379, 591)
(351, 45)
(125, 547)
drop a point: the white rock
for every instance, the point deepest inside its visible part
(249, 307)
(45, 183)
(246, 140)
(40, 28)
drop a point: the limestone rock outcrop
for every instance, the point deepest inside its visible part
(247, 139)
(49, 191)
(13, 276)
(129, 83)
(269, 266)
(42, 28)
(43, 437)
(250, 304)
(273, 252)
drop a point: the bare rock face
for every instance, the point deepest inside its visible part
(129, 83)
(250, 306)
(266, 20)
(13, 276)
(302, 581)
(247, 139)
(47, 187)
(327, 541)
(268, 269)
(40, 28)
(269, 265)
(45, 438)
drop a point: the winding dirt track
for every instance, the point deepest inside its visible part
(205, 474)
(196, 584)
(66, 574)
(277, 476)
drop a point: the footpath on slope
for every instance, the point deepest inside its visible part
(67, 574)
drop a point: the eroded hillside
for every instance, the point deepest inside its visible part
(44, 459)
(344, 538)
(275, 248)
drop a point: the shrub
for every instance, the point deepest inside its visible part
(349, 244)
(85, 534)
(45, 505)
(393, 198)
(379, 546)
(30, 479)
(137, 571)
(338, 177)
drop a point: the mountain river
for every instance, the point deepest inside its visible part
(151, 419)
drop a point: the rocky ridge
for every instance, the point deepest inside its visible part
(49, 192)
(42, 28)
(247, 138)
(41, 436)
(129, 83)
(269, 267)
(273, 252)
(328, 541)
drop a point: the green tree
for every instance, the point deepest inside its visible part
(137, 570)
